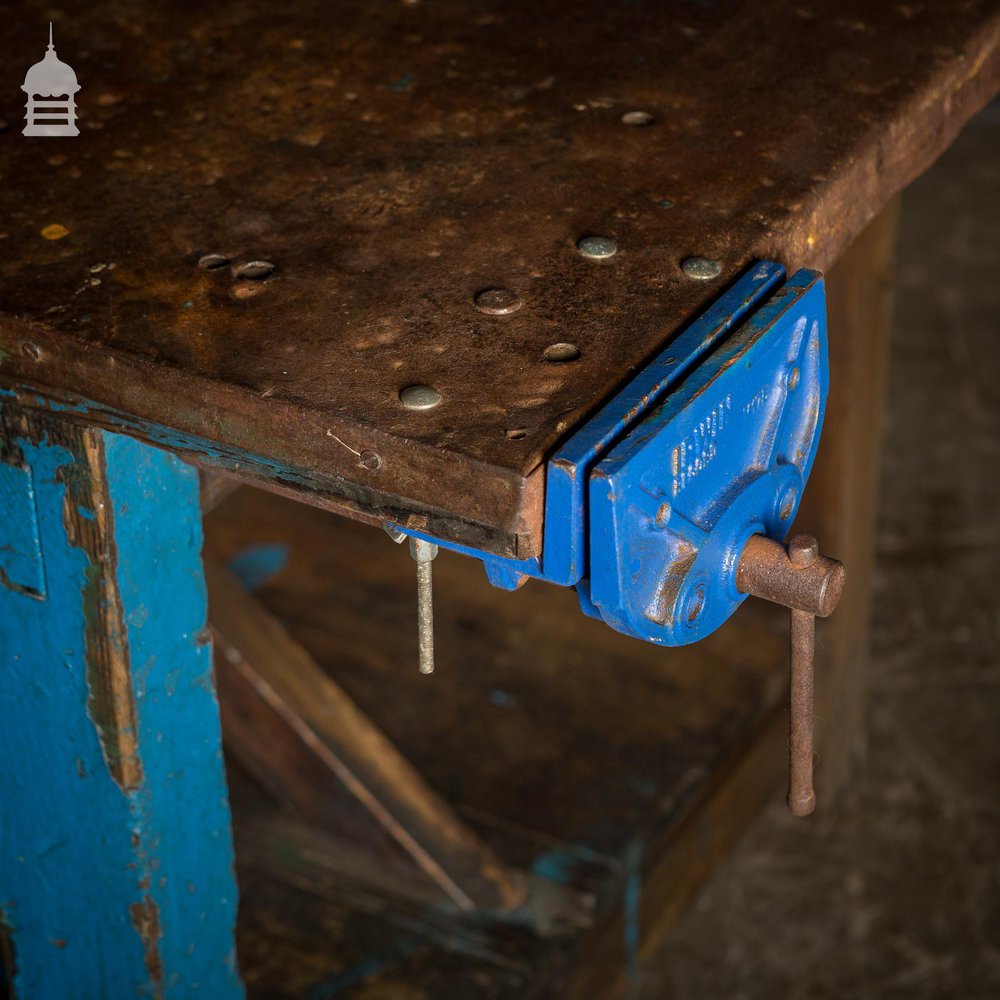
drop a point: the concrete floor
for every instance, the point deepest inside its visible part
(894, 890)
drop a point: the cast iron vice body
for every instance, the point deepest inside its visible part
(670, 505)
(650, 504)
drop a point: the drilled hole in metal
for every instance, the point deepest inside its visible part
(561, 353)
(254, 270)
(638, 119)
(212, 261)
(695, 604)
(787, 505)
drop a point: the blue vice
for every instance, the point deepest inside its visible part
(648, 507)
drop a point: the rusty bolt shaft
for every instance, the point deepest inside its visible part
(810, 585)
(423, 554)
(801, 797)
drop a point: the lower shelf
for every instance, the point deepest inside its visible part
(614, 770)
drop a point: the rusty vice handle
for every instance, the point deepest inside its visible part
(810, 585)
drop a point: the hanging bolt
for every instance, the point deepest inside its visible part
(809, 585)
(423, 554)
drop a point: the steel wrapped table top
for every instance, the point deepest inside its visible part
(390, 161)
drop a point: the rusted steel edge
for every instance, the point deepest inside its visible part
(837, 212)
(308, 454)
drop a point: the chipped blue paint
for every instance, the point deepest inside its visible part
(87, 861)
(202, 449)
(256, 565)
(21, 567)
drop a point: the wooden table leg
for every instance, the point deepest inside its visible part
(116, 863)
(840, 505)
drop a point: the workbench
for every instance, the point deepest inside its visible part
(273, 222)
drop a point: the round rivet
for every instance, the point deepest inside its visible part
(498, 301)
(254, 270)
(560, 353)
(597, 247)
(517, 434)
(793, 380)
(420, 397)
(638, 119)
(665, 203)
(31, 350)
(212, 261)
(701, 268)
(370, 460)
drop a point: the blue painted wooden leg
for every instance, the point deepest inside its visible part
(116, 862)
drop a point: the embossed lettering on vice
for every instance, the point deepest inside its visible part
(693, 455)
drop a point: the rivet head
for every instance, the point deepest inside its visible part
(420, 397)
(213, 261)
(701, 268)
(498, 301)
(560, 353)
(803, 551)
(597, 247)
(253, 270)
(638, 119)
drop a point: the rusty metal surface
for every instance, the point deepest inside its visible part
(801, 795)
(809, 585)
(391, 162)
(767, 570)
